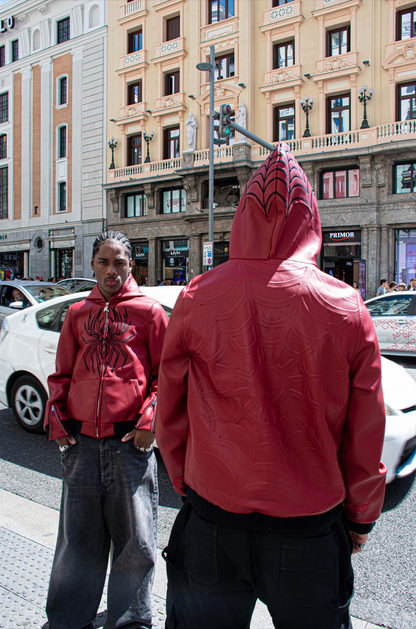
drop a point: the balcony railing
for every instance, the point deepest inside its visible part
(322, 145)
(131, 7)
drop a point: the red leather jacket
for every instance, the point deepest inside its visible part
(269, 384)
(107, 365)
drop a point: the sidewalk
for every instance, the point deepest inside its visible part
(27, 540)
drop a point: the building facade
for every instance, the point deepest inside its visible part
(272, 59)
(52, 145)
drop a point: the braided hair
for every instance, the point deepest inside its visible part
(119, 238)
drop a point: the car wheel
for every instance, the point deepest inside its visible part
(28, 403)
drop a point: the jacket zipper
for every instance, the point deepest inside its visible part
(53, 410)
(101, 378)
(152, 403)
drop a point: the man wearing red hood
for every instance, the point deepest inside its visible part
(270, 421)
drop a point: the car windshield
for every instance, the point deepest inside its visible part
(44, 293)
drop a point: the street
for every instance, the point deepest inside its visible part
(385, 571)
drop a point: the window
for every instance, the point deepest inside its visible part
(2, 56)
(63, 91)
(231, 138)
(220, 10)
(279, 3)
(62, 142)
(134, 93)
(136, 205)
(224, 67)
(4, 107)
(135, 41)
(171, 148)
(390, 306)
(134, 148)
(172, 83)
(405, 178)
(15, 50)
(283, 55)
(173, 201)
(4, 192)
(63, 30)
(406, 24)
(338, 119)
(3, 146)
(338, 184)
(62, 196)
(284, 123)
(406, 101)
(338, 42)
(173, 28)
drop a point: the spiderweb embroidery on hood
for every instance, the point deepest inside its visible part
(277, 216)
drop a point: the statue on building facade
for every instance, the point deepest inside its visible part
(242, 121)
(191, 127)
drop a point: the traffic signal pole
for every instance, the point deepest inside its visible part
(251, 136)
(211, 150)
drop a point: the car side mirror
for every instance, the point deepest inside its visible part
(18, 305)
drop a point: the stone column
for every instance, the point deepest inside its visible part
(384, 251)
(26, 270)
(152, 278)
(46, 138)
(364, 256)
(26, 165)
(373, 260)
(77, 65)
(195, 256)
(391, 235)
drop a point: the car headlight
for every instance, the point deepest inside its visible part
(4, 330)
(391, 411)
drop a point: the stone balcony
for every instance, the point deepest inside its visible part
(170, 48)
(131, 113)
(349, 142)
(133, 61)
(133, 9)
(278, 15)
(338, 65)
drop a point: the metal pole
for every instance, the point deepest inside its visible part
(253, 137)
(211, 150)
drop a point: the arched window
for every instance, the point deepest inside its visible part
(36, 39)
(94, 19)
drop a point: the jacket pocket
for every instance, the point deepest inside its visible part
(308, 572)
(82, 400)
(120, 401)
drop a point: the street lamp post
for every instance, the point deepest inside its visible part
(307, 105)
(112, 145)
(363, 98)
(209, 67)
(147, 139)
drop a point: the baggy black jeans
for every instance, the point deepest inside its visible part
(216, 574)
(109, 494)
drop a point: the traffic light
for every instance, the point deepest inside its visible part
(225, 120)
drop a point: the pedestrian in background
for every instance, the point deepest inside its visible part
(270, 422)
(383, 288)
(401, 286)
(100, 412)
(392, 287)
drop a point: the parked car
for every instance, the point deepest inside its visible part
(19, 294)
(77, 284)
(28, 343)
(394, 318)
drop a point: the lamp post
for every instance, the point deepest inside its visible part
(147, 139)
(307, 105)
(112, 145)
(363, 98)
(209, 67)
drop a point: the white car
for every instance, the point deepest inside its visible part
(28, 343)
(394, 318)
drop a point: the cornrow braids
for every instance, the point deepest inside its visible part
(112, 235)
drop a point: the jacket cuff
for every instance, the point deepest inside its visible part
(180, 486)
(361, 529)
(146, 419)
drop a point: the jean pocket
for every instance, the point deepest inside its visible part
(201, 557)
(308, 571)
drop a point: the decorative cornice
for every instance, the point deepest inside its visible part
(281, 77)
(335, 66)
(44, 10)
(23, 19)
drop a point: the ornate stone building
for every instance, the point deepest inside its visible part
(269, 55)
(52, 151)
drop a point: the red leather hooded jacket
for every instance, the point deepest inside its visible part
(269, 386)
(107, 365)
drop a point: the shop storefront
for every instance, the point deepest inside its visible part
(140, 269)
(221, 252)
(405, 259)
(175, 254)
(63, 263)
(341, 257)
(11, 265)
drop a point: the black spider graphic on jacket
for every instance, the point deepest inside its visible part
(105, 335)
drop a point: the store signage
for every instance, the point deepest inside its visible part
(342, 237)
(175, 253)
(208, 254)
(140, 256)
(3, 236)
(7, 25)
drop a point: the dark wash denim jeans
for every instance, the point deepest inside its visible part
(109, 494)
(216, 574)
